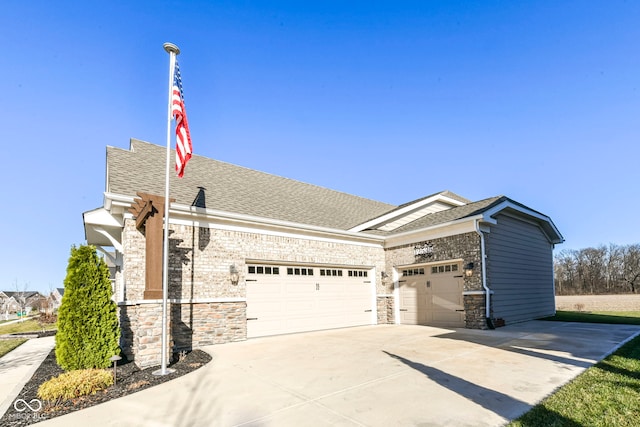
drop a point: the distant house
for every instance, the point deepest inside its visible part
(8, 304)
(56, 298)
(14, 301)
(253, 254)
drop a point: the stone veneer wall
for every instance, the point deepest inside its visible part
(141, 326)
(474, 310)
(385, 309)
(200, 324)
(464, 246)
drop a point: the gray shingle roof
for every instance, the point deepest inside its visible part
(236, 189)
(222, 186)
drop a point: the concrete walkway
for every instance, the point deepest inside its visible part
(17, 368)
(369, 376)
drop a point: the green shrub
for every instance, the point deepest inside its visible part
(88, 331)
(75, 384)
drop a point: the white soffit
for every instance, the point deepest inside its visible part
(429, 209)
(102, 217)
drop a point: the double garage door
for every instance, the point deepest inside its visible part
(432, 295)
(284, 299)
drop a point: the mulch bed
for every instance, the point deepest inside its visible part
(130, 379)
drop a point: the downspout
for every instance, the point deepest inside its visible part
(487, 291)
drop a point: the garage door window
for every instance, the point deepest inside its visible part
(413, 272)
(295, 271)
(444, 268)
(328, 272)
(357, 273)
(263, 269)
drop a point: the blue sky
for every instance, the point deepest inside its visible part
(389, 100)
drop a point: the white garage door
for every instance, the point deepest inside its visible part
(432, 295)
(284, 299)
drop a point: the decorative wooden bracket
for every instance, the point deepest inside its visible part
(148, 212)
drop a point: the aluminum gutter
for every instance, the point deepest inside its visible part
(484, 276)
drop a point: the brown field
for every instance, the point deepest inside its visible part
(598, 303)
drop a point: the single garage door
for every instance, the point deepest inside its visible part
(284, 299)
(432, 295)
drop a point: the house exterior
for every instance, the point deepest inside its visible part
(253, 254)
(12, 301)
(56, 298)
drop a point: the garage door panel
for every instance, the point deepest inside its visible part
(434, 297)
(287, 303)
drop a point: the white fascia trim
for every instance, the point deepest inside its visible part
(458, 226)
(405, 210)
(118, 200)
(189, 215)
(101, 217)
(507, 204)
(426, 263)
(396, 296)
(374, 297)
(192, 215)
(475, 292)
(269, 232)
(183, 301)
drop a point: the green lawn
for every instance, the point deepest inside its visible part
(612, 317)
(30, 325)
(7, 345)
(607, 394)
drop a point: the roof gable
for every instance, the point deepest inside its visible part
(412, 211)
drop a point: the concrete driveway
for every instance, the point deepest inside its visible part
(370, 376)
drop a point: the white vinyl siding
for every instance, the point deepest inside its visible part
(519, 270)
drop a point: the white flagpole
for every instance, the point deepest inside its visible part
(173, 51)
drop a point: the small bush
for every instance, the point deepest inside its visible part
(47, 318)
(75, 384)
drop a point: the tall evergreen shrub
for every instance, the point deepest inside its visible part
(88, 331)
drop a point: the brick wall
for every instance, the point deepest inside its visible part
(133, 261)
(199, 270)
(201, 257)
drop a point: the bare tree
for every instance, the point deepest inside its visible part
(631, 270)
(605, 269)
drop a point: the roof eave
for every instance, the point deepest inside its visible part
(550, 229)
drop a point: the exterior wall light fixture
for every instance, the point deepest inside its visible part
(468, 270)
(234, 275)
(385, 277)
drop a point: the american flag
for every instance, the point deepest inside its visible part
(183, 137)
